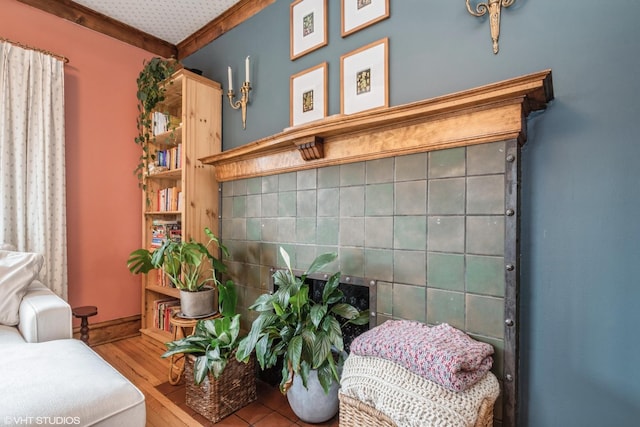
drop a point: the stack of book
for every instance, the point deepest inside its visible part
(169, 199)
(163, 309)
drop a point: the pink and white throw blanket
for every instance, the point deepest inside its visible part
(442, 353)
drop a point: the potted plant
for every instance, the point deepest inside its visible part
(221, 384)
(307, 337)
(191, 268)
(150, 92)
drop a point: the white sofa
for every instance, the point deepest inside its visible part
(49, 378)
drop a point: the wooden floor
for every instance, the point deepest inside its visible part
(139, 360)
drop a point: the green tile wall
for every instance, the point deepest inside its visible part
(429, 227)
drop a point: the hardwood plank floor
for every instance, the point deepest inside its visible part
(139, 360)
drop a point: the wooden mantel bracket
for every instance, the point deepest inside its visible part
(311, 148)
(495, 112)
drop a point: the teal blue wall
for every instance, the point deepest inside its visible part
(580, 278)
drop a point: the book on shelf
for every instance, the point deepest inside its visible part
(169, 199)
(162, 312)
(165, 229)
(169, 159)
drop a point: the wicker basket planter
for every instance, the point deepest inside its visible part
(215, 399)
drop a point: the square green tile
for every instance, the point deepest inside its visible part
(378, 264)
(306, 203)
(287, 181)
(485, 235)
(379, 171)
(307, 179)
(239, 206)
(269, 229)
(352, 174)
(411, 167)
(227, 207)
(254, 206)
(269, 205)
(446, 196)
(446, 234)
(445, 271)
(485, 275)
(328, 230)
(329, 177)
(410, 232)
(411, 198)
(384, 298)
(378, 232)
(227, 189)
(287, 203)
(409, 302)
(485, 195)
(254, 185)
(328, 202)
(253, 252)
(269, 184)
(352, 231)
(351, 261)
(379, 199)
(333, 266)
(486, 158)
(447, 163)
(286, 230)
(226, 229)
(239, 228)
(445, 307)
(305, 254)
(254, 228)
(410, 267)
(269, 254)
(240, 187)
(253, 275)
(237, 251)
(306, 230)
(352, 201)
(485, 315)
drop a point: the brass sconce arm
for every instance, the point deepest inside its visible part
(242, 102)
(492, 7)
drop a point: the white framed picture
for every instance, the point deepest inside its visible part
(364, 77)
(359, 14)
(308, 95)
(307, 26)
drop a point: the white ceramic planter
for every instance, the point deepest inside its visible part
(313, 405)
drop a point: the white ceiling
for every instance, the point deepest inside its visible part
(169, 20)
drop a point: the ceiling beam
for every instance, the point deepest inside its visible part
(235, 15)
(93, 20)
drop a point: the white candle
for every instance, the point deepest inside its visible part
(246, 69)
(230, 78)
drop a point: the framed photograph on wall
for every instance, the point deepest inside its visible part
(364, 78)
(308, 93)
(358, 14)
(307, 26)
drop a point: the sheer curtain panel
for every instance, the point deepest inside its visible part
(32, 162)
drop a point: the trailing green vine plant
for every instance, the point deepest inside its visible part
(150, 93)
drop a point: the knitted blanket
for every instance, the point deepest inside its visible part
(441, 353)
(413, 401)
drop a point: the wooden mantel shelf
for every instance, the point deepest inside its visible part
(488, 113)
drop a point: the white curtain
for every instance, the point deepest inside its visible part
(32, 161)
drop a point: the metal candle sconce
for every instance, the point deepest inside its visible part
(244, 90)
(493, 7)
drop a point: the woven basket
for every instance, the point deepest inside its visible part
(355, 413)
(214, 399)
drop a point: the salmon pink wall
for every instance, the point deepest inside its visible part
(103, 200)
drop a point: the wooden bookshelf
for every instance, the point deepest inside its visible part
(195, 103)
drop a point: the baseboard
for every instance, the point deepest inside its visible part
(111, 330)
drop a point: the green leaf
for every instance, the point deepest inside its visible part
(330, 287)
(294, 351)
(362, 319)
(320, 262)
(321, 350)
(325, 376)
(345, 310)
(318, 312)
(200, 369)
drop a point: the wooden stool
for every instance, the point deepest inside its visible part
(180, 327)
(83, 313)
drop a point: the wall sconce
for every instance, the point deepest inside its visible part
(244, 90)
(493, 7)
